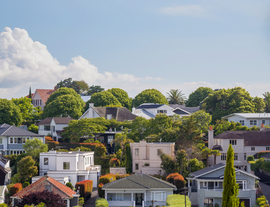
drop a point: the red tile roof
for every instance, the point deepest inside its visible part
(44, 94)
(57, 188)
(28, 95)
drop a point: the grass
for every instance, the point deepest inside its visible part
(177, 200)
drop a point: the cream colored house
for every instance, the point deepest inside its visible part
(146, 156)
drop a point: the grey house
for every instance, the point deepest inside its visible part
(206, 186)
(12, 139)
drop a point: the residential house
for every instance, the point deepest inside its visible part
(205, 186)
(244, 143)
(13, 138)
(41, 96)
(106, 138)
(138, 190)
(117, 113)
(5, 171)
(53, 126)
(249, 119)
(146, 156)
(182, 110)
(76, 165)
(3, 191)
(50, 184)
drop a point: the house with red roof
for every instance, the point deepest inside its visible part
(50, 184)
(40, 97)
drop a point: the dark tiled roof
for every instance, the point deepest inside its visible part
(266, 155)
(57, 120)
(139, 181)
(58, 188)
(149, 106)
(46, 121)
(188, 109)
(207, 169)
(251, 138)
(118, 113)
(8, 130)
(180, 111)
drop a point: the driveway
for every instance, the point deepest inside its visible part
(91, 202)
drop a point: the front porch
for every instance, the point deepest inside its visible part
(134, 199)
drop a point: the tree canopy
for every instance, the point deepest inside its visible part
(122, 97)
(27, 169)
(266, 96)
(94, 89)
(150, 96)
(10, 113)
(34, 147)
(83, 86)
(176, 96)
(228, 101)
(196, 97)
(68, 83)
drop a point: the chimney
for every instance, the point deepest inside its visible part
(210, 137)
(91, 105)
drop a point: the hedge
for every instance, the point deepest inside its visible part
(177, 200)
(101, 202)
(86, 188)
(119, 176)
(107, 178)
(15, 189)
(176, 179)
(101, 192)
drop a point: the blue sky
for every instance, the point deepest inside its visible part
(135, 45)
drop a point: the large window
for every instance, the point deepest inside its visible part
(267, 148)
(47, 128)
(253, 122)
(263, 121)
(136, 151)
(46, 161)
(136, 166)
(159, 151)
(235, 156)
(223, 156)
(66, 165)
(87, 160)
(110, 139)
(242, 122)
(252, 148)
(11, 140)
(158, 196)
(208, 202)
(233, 141)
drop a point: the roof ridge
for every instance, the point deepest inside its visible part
(7, 129)
(160, 180)
(57, 186)
(117, 111)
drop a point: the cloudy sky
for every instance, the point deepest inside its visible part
(135, 45)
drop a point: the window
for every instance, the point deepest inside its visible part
(40, 102)
(47, 128)
(136, 166)
(263, 121)
(158, 196)
(223, 156)
(242, 122)
(233, 141)
(136, 151)
(162, 111)
(1, 140)
(119, 196)
(53, 128)
(159, 151)
(252, 148)
(267, 148)
(46, 161)
(208, 202)
(23, 140)
(87, 160)
(204, 184)
(15, 140)
(110, 139)
(216, 184)
(245, 156)
(235, 156)
(253, 122)
(19, 140)
(66, 165)
(11, 140)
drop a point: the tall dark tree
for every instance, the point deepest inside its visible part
(68, 83)
(94, 89)
(128, 159)
(266, 96)
(176, 96)
(230, 188)
(30, 93)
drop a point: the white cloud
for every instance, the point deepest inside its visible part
(185, 10)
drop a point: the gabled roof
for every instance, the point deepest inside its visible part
(8, 130)
(251, 138)
(3, 159)
(188, 109)
(149, 106)
(180, 111)
(249, 115)
(57, 120)
(138, 181)
(58, 188)
(44, 94)
(207, 170)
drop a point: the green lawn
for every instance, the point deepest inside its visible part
(177, 200)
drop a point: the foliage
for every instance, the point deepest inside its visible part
(83, 86)
(181, 158)
(33, 128)
(195, 165)
(85, 187)
(68, 184)
(25, 184)
(101, 192)
(262, 202)
(68, 83)
(159, 123)
(128, 159)
(250, 158)
(114, 162)
(177, 200)
(230, 192)
(120, 176)
(27, 169)
(206, 152)
(122, 97)
(101, 202)
(3, 205)
(259, 104)
(176, 179)
(266, 166)
(202, 120)
(167, 164)
(48, 198)
(17, 187)
(196, 97)
(149, 96)
(107, 178)
(176, 96)
(266, 96)
(235, 100)
(139, 129)
(94, 89)
(10, 113)
(81, 201)
(257, 165)
(34, 147)
(261, 153)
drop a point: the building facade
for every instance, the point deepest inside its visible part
(41, 96)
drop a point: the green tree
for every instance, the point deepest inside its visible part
(103, 98)
(160, 123)
(68, 83)
(266, 96)
(139, 129)
(203, 120)
(83, 86)
(94, 89)
(150, 96)
(176, 96)
(83, 128)
(230, 188)
(33, 128)
(259, 104)
(34, 147)
(10, 113)
(128, 159)
(27, 169)
(122, 97)
(196, 97)
(167, 164)
(195, 165)
(26, 108)
(225, 102)
(30, 93)
(181, 159)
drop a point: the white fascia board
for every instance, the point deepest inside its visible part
(210, 171)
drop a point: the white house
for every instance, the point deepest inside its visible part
(5, 171)
(146, 156)
(244, 143)
(207, 186)
(13, 138)
(249, 119)
(53, 126)
(138, 190)
(75, 165)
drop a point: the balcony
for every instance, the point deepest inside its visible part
(217, 193)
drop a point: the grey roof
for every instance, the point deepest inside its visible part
(139, 181)
(148, 113)
(180, 111)
(8, 130)
(249, 115)
(149, 106)
(57, 120)
(118, 113)
(207, 169)
(188, 109)
(266, 155)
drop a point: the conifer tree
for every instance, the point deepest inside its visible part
(30, 93)
(230, 188)
(128, 161)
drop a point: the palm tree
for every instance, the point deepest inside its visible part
(176, 96)
(266, 96)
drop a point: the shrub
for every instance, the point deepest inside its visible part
(177, 179)
(48, 139)
(100, 191)
(107, 178)
(261, 202)
(69, 185)
(177, 200)
(266, 166)
(25, 184)
(101, 202)
(3, 205)
(85, 188)
(250, 158)
(114, 162)
(119, 176)
(15, 189)
(81, 201)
